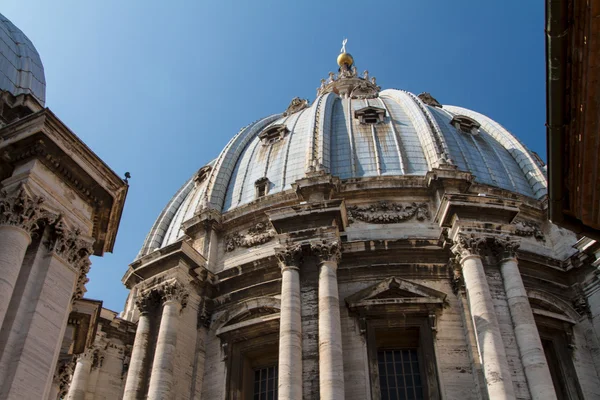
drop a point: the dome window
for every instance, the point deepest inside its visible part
(273, 134)
(465, 124)
(370, 115)
(202, 174)
(262, 187)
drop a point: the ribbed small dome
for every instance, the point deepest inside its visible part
(393, 133)
(21, 69)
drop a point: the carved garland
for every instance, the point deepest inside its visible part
(388, 213)
(527, 229)
(64, 375)
(257, 235)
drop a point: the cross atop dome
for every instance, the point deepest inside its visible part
(347, 83)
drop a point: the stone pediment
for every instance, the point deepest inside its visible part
(395, 294)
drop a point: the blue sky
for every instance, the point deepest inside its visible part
(158, 88)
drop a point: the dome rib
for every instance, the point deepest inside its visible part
(529, 167)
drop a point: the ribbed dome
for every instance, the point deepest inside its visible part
(413, 135)
(21, 69)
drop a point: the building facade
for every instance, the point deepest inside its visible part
(374, 244)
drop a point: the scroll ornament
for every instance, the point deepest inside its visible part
(388, 213)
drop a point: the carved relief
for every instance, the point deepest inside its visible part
(23, 210)
(259, 234)
(82, 279)
(297, 104)
(468, 245)
(388, 213)
(290, 255)
(173, 291)
(529, 229)
(504, 247)
(63, 376)
(148, 301)
(456, 277)
(327, 251)
(581, 305)
(69, 244)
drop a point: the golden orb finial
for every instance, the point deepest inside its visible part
(345, 58)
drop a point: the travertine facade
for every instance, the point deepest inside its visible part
(372, 245)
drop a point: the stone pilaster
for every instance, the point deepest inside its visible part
(135, 386)
(81, 375)
(468, 249)
(528, 339)
(331, 361)
(174, 298)
(19, 216)
(290, 331)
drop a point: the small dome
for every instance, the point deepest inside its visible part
(21, 69)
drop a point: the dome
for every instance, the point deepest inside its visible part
(352, 131)
(21, 70)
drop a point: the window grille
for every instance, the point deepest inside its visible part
(399, 374)
(265, 383)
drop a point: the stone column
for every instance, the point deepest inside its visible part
(487, 330)
(528, 339)
(161, 378)
(81, 375)
(19, 213)
(135, 384)
(290, 325)
(331, 360)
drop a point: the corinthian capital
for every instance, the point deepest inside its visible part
(504, 247)
(290, 255)
(173, 291)
(467, 245)
(23, 210)
(148, 301)
(70, 245)
(327, 251)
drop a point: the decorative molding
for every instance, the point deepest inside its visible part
(64, 375)
(290, 255)
(581, 305)
(23, 210)
(388, 213)
(148, 301)
(327, 251)
(297, 104)
(468, 245)
(529, 229)
(504, 247)
(257, 235)
(70, 245)
(173, 291)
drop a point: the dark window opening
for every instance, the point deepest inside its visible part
(554, 367)
(370, 115)
(465, 124)
(262, 186)
(399, 374)
(265, 383)
(273, 134)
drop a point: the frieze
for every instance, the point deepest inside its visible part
(529, 229)
(388, 213)
(327, 251)
(257, 235)
(23, 210)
